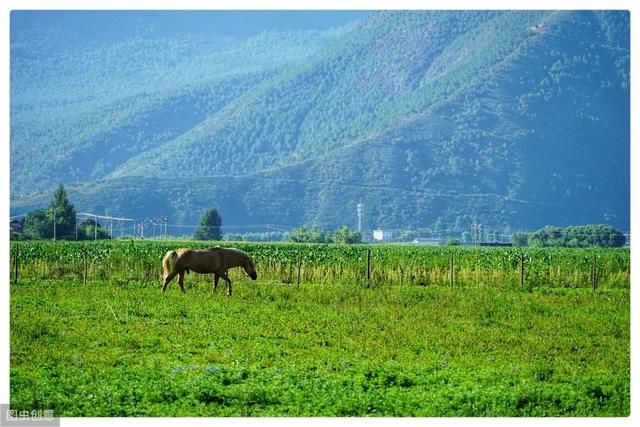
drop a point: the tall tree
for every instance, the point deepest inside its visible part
(209, 228)
(40, 224)
(62, 214)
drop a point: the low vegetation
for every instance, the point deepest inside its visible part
(116, 346)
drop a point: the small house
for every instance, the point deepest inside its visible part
(15, 226)
(380, 235)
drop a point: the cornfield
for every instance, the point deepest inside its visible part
(369, 265)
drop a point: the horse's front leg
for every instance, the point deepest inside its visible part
(181, 281)
(226, 279)
(216, 278)
(167, 279)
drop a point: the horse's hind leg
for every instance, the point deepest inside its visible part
(215, 282)
(226, 279)
(181, 282)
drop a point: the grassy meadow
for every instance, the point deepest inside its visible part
(116, 346)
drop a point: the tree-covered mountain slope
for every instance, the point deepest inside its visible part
(427, 118)
(79, 109)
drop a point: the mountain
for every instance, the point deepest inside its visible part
(429, 118)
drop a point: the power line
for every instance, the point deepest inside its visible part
(104, 216)
(158, 227)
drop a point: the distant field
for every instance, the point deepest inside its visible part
(340, 346)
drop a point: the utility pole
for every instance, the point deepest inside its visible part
(164, 220)
(359, 207)
(475, 231)
(54, 223)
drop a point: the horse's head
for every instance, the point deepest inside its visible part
(250, 269)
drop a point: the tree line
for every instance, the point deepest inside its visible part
(578, 236)
(315, 235)
(59, 221)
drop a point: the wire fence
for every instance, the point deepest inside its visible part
(369, 265)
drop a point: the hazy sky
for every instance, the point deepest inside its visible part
(109, 25)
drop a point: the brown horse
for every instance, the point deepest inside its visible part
(215, 260)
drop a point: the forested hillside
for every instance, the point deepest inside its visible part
(428, 118)
(79, 109)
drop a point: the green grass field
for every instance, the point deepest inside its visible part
(117, 347)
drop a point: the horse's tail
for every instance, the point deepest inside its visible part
(166, 262)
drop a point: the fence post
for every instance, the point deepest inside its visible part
(451, 270)
(84, 277)
(594, 270)
(522, 271)
(368, 265)
(475, 249)
(548, 259)
(15, 274)
(299, 266)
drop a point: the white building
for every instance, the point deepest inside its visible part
(380, 235)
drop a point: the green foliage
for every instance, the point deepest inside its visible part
(270, 236)
(452, 242)
(97, 106)
(16, 236)
(209, 227)
(90, 229)
(312, 235)
(520, 239)
(433, 115)
(345, 236)
(344, 264)
(63, 214)
(40, 224)
(604, 236)
(122, 349)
